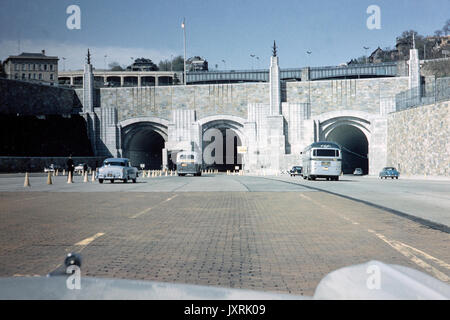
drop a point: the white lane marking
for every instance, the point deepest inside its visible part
(329, 209)
(406, 251)
(150, 208)
(87, 241)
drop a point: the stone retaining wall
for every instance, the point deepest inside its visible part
(232, 99)
(24, 98)
(37, 164)
(419, 140)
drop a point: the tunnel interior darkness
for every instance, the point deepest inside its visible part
(230, 160)
(145, 146)
(355, 147)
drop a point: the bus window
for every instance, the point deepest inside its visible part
(324, 153)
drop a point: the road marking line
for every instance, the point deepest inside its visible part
(328, 208)
(140, 213)
(405, 250)
(150, 208)
(87, 241)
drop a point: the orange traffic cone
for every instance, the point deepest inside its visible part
(69, 178)
(85, 177)
(93, 177)
(49, 178)
(27, 180)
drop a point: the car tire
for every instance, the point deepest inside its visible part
(100, 180)
(125, 180)
(134, 180)
(112, 180)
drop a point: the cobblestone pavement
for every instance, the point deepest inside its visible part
(284, 241)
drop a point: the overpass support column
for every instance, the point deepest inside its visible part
(156, 81)
(139, 81)
(105, 79)
(71, 81)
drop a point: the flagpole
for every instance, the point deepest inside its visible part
(184, 37)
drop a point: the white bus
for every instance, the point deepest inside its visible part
(322, 159)
(189, 162)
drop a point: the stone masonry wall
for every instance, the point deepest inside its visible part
(419, 140)
(27, 98)
(232, 99)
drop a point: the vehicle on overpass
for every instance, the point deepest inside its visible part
(296, 171)
(322, 159)
(189, 162)
(117, 169)
(358, 172)
(389, 172)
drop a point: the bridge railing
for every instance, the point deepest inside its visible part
(433, 92)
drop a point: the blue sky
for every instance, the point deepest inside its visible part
(334, 31)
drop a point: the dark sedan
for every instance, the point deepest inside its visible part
(389, 172)
(296, 171)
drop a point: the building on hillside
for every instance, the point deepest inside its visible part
(197, 64)
(33, 67)
(142, 64)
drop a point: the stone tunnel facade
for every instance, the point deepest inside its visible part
(275, 121)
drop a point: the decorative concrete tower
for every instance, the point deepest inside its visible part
(88, 102)
(275, 88)
(414, 71)
(88, 86)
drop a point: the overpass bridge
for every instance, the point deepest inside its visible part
(158, 78)
(387, 69)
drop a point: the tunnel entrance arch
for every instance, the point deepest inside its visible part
(352, 132)
(221, 137)
(143, 141)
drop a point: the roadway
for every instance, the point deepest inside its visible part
(273, 233)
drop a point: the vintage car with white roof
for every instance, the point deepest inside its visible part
(117, 169)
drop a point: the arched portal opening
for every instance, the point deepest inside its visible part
(355, 147)
(143, 144)
(221, 140)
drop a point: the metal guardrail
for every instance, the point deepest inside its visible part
(388, 69)
(436, 91)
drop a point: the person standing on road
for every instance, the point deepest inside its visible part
(70, 165)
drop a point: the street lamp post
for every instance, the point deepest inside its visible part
(64, 63)
(224, 65)
(184, 40)
(105, 61)
(252, 55)
(366, 48)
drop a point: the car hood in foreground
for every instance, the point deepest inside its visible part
(371, 280)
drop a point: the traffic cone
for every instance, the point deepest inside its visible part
(69, 177)
(166, 172)
(27, 180)
(85, 177)
(64, 172)
(93, 177)
(49, 178)
(57, 172)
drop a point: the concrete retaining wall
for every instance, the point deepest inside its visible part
(419, 140)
